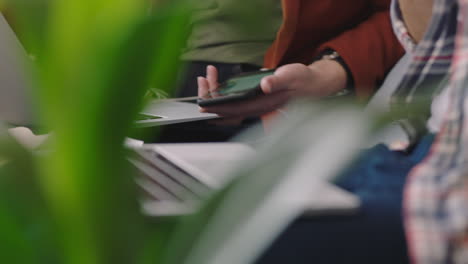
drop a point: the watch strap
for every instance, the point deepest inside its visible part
(330, 54)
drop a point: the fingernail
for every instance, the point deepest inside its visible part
(266, 85)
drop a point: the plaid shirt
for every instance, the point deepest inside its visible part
(436, 194)
(431, 60)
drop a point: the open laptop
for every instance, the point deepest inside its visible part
(176, 178)
(16, 108)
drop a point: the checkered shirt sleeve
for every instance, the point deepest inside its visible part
(436, 194)
(431, 61)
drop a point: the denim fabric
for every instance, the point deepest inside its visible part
(374, 234)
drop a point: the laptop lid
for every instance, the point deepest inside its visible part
(15, 104)
(171, 111)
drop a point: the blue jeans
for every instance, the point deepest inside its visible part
(375, 234)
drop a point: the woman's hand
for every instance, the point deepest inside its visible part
(319, 79)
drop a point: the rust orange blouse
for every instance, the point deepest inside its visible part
(359, 30)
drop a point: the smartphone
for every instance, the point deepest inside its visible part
(237, 88)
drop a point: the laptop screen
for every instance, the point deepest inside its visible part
(14, 101)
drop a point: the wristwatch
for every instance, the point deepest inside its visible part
(330, 54)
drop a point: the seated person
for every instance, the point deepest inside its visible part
(360, 33)
(359, 58)
(223, 34)
(433, 213)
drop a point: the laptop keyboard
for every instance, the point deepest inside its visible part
(163, 182)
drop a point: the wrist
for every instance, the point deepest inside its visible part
(334, 76)
(331, 55)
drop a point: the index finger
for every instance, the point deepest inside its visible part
(203, 88)
(212, 77)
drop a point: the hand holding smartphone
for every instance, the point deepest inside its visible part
(237, 88)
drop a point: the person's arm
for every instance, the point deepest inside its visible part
(370, 49)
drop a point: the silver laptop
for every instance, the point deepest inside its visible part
(15, 107)
(166, 112)
(176, 178)
(15, 86)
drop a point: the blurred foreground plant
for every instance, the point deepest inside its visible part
(95, 60)
(76, 203)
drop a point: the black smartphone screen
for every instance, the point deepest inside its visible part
(237, 88)
(243, 83)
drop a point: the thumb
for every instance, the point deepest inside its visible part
(272, 84)
(268, 84)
